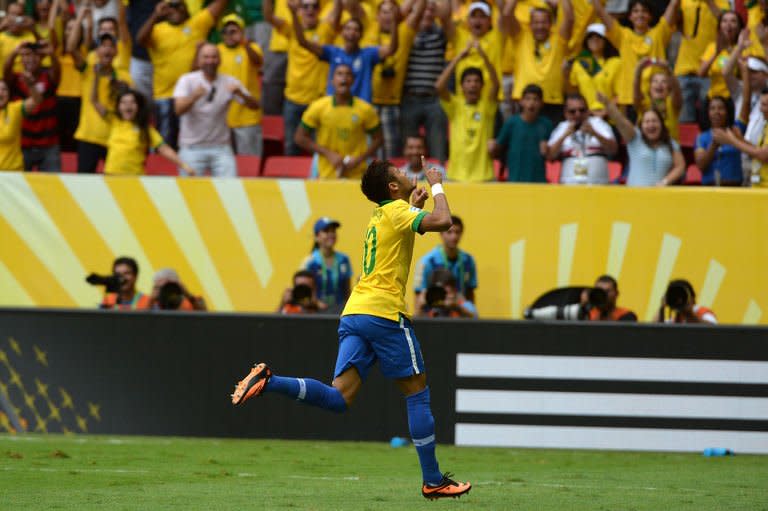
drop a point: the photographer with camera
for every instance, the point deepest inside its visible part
(121, 292)
(680, 299)
(168, 293)
(442, 298)
(302, 297)
(596, 303)
(583, 143)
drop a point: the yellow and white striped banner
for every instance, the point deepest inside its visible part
(238, 242)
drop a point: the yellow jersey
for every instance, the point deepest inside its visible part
(70, 83)
(632, 47)
(757, 166)
(172, 49)
(583, 16)
(493, 43)
(698, 29)
(341, 128)
(10, 136)
(389, 91)
(540, 64)
(235, 62)
(126, 151)
(306, 76)
(717, 84)
(122, 60)
(755, 18)
(93, 127)
(471, 129)
(9, 42)
(387, 255)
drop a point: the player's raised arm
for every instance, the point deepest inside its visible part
(439, 219)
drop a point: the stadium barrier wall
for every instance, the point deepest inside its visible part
(497, 383)
(238, 241)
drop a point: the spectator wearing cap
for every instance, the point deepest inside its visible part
(583, 142)
(172, 37)
(242, 59)
(479, 27)
(641, 40)
(389, 74)
(201, 100)
(39, 129)
(341, 125)
(93, 130)
(420, 105)
(332, 269)
(698, 26)
(447, 256)
(361, 60)
(306, 74)
(595, 68)
(416, 153)
(541, 54)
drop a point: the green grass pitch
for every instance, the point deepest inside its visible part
(139, 473)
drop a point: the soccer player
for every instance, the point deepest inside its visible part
(375, 324)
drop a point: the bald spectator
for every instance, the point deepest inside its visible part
(201, 100)
(541, 52)
(171, 36)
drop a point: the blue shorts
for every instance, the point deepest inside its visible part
(364, 339)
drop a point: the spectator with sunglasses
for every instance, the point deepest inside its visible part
(201, 100)
(171, 37)
(583, 143)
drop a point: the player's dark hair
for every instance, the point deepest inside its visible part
(684, 284)
(129, 262)
(375, 181)
(608, 279)
(472, 71)
(532, 88)
(764, 91)
(457, 222)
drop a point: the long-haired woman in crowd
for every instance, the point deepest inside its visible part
(720, 58)
(130, 134)
(655, 158)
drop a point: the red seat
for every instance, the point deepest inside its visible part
(614, 171)
(398, 162)
(68, 161)
(688, 134)
(288, 166)
(272, 127)
(498, 168)
(692, 176)
(156, 165)
(248, 165)
(553, 171)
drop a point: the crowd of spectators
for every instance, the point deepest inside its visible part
(521, 81)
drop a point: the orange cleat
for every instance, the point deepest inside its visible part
(447, 488)
(252, 385)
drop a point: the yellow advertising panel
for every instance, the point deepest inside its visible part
(238, 242)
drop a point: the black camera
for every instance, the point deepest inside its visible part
(170, 296)
(388, 72)
(301, 295)
(678, 295)
(111, 282)
(597, 298)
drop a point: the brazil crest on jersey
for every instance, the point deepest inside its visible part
(386, 261)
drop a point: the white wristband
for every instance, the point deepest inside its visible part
(437, 189)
